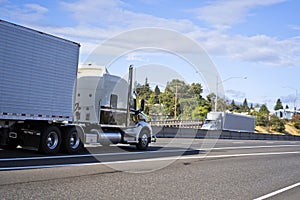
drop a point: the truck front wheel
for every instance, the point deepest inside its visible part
(50, 140)
(72, 140)
(144, 140)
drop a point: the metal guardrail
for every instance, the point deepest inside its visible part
(178, 123)
(177, 132)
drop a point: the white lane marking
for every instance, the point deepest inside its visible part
(93, 155)
(199, 156)
(255, 147)
(142, 152)
(238, 142)
(278, 192)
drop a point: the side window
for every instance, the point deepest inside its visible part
(113, 100)
(132, 103)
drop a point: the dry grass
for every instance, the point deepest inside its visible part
(262, 129)
(289, 129)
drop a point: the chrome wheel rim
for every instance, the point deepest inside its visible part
(74, 140)
(52, 140)
(144, 139)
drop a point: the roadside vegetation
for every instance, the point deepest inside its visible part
(182, 101)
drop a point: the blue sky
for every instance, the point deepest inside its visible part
(256, 39)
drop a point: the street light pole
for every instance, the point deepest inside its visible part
(295, 108)
(217, 87)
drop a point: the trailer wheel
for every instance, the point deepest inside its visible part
(50, 140)
(144, 140)
(72, 140)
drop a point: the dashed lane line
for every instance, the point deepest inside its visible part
(278, 192)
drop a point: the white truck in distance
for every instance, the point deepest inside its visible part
(48, 104)
(223, 121)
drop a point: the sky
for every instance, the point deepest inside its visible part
(259, 40)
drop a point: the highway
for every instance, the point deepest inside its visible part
(171, 169)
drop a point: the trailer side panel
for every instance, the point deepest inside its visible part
(37, 74)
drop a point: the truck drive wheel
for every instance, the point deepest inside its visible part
(72, 140)
(50, 140)
(144, 140)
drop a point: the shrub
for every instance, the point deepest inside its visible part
(277, 124)
(296, 121)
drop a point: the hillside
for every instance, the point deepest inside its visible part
(292, 130)
(289, 129)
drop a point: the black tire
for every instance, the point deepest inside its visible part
(144, 140)
(50, 140)
(72, 140)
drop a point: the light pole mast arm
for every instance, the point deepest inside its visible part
(217, 88)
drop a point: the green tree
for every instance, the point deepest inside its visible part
(152, 99)
(156, 93)
(200, 112)
(264, 110)
(187, 106)
(195, 90)
(278, 105)
(262, 117)
(185, 98)
(277, 124)
(245, 107)
(221, 105)
(167, 99)
(179, 88)
(144, 91)
(233, 107)
(286, 107)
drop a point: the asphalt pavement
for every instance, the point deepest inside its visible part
(171, 169)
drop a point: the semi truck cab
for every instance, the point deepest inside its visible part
(106, 109)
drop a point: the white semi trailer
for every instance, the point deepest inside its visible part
(47, 103)
(229, 122)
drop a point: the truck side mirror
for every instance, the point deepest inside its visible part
(142, 105)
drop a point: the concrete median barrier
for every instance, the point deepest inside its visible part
(172, 132)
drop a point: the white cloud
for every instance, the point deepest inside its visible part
(264, 49)
(295, 27)
(112, 15)
(103, 19)
(223, 14)
(100, 20)
(35, 8)
(26, 12)
(259, 48)
(236, 95)
(89, 11)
